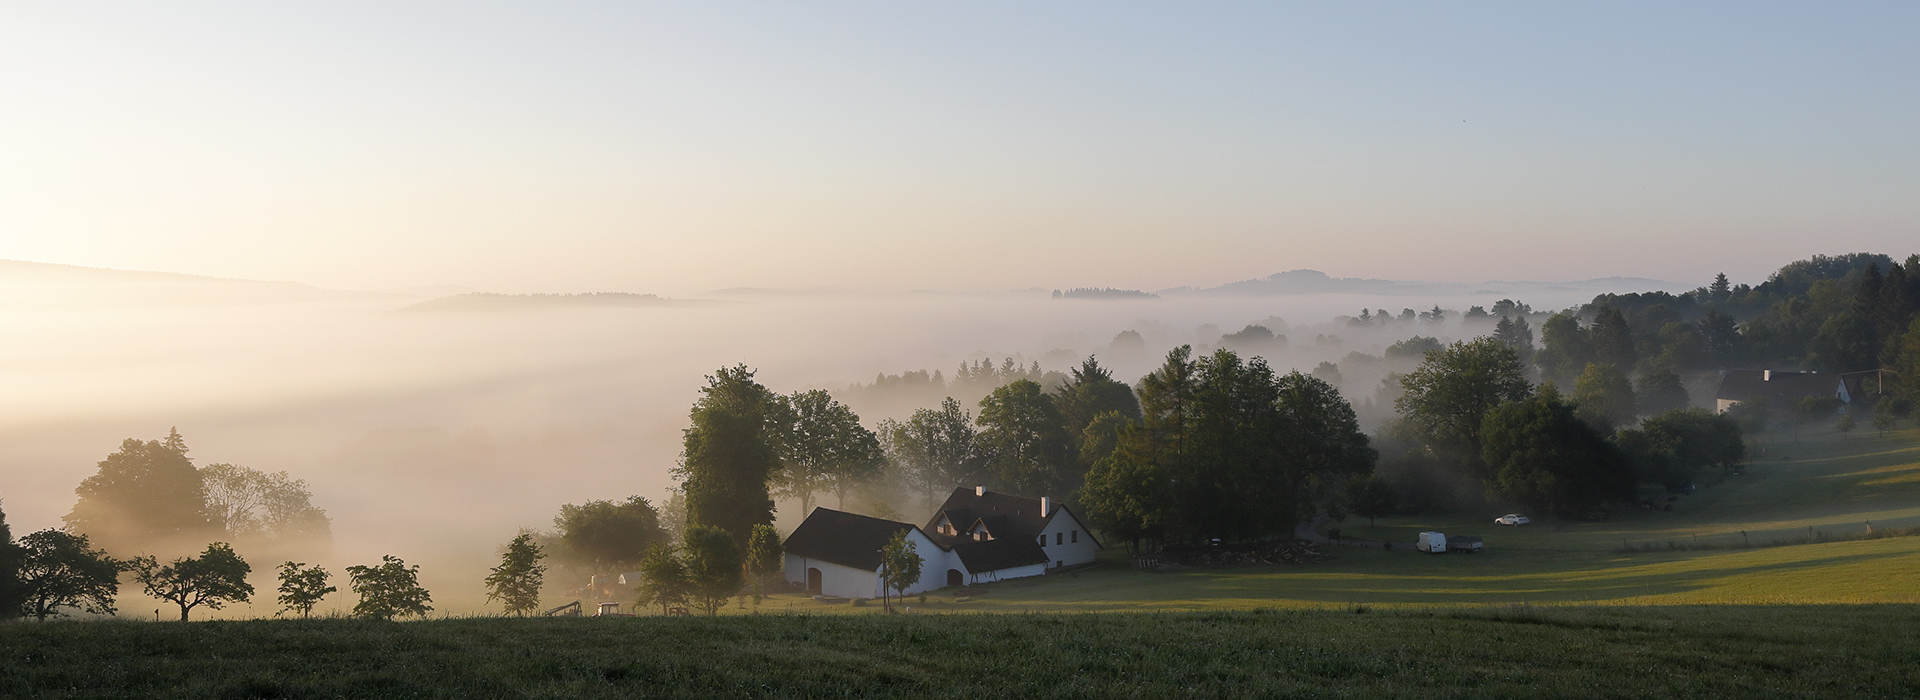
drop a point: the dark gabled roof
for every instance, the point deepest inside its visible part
(847, 539)
(1781, 388)
(995, 554)
(1007, 516)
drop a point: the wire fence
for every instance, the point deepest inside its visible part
(1777, 537)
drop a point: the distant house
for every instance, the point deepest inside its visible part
(1782, 389)
(976, 537)
(979, 515)
(838, 554)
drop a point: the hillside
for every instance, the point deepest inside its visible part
(33, 285)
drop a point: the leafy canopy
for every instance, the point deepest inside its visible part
(389, 590)
(302, 587)
(59, 570)
(516, 581)
(217, 577)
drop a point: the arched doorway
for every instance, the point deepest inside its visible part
(813, 580)
(954, 578)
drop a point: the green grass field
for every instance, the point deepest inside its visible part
(1546, 612)
(1518, 652)
(1830, 482)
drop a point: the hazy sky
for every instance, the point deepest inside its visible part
(679, 147)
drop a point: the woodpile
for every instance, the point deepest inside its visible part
(1286, 551)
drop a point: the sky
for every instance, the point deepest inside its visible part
(681, 147)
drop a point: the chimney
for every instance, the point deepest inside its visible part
(1046, 506)
(979, 490)
(1766, 375)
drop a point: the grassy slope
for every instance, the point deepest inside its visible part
(1828, 481)
(1438, 626)
(1844, 651)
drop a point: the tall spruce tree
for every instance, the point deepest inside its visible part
(1089, 392)
(1612, 339)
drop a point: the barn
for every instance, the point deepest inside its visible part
(977, 536)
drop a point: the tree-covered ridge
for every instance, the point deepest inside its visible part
(1102, 293)
(1835, 314)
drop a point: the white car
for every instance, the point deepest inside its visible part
(1511, 519)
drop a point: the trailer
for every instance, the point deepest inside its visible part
(1464, 543)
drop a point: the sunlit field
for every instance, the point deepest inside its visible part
(1830, 482)
(1542, 613)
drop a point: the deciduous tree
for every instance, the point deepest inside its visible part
(938, 449)
(765, 559)
(731, 453)
(60, 570)
(1369, 496)
(1605, 398)
(146, 494)
(825, 448)
(607, 536)
(516, 581)
(217, 577)
(302, 587)
(1448, 397)
(1565, 347)
(249, 503)
(665, 581)
(1025, 434)
(1659, 392)
(899, 567)
(1545, 457)
(389, 590)
(1886, 414)
(713, 566)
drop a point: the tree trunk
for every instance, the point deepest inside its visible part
(183, 611)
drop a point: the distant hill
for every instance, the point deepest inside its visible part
(46, 285)
(1296, 282)
(483, 301)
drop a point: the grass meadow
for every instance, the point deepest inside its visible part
(1487, 651)
(1547, 611)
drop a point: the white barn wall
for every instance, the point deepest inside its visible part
(835, 579)
(848, 582)
(1071, 553)
(1004, 574)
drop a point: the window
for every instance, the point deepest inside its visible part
(1043, 540)
(1059, 538)
(1076, 535)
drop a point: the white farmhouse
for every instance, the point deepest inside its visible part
(996, 537)
(838, 554)
(977, 514)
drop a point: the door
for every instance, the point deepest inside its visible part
(813, 580)
(953, 578)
